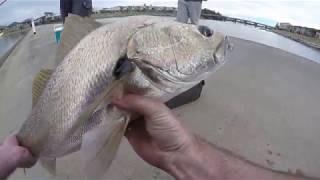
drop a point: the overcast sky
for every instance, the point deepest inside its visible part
(297, 12)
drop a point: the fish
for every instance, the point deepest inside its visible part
(149, 56)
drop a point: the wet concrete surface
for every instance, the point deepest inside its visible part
(262, 105)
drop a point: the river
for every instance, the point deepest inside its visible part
(264, 37)
(229, 28)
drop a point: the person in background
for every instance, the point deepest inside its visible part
(161, 140)
(79, 7)
(189, 9)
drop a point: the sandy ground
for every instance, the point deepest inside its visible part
(263, 105)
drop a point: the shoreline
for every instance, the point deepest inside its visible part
(150, 13)
(5, 56)
(296, 38)
(275, 48)
(15, 32)
(132, 13)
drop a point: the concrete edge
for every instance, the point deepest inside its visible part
(7, 54)
(268, 46)
(306, 43)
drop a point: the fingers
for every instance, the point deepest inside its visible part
(138, 138)
(11, 140)
(22, 157)
(18, 155)
(143, 144)
(135, 125)
(141, 105)
(157, 116)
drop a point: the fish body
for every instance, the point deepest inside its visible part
(84, 73)
(169, 58)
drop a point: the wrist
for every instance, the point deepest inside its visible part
(6, 165)
(198, 162)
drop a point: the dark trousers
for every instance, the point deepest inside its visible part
(79, 7)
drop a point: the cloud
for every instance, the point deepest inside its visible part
(18, 10)
(297, 12)
(303, 13)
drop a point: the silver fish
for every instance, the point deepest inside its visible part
(167, 58)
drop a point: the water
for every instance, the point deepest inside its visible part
(257, 35)
(6, 42)
(264, 37)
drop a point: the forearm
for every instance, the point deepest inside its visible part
(207, 162)
(6, 168)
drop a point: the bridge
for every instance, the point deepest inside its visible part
(237, 20)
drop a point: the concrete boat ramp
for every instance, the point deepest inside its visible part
(262, 105)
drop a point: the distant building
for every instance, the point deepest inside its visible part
(149, 7)
(124, 8)
(13, 24)
(2, 28)
(27, 21)
(40, 20)
(18, 25)
(311, 32)
(49, 14)
(140, 8)
(318, 35)
(284, 26)
(47, 18)
(171, 9)
(95, 11)
(159, 8)
(137, 8)
(57, 18)
(110, 10)
(206, 11)
(117, 8)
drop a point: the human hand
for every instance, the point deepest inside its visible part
(13, 156)
(161, 140)
(158, 137)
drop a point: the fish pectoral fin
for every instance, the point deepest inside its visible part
(49, 165)
(39, 83)
(75, 28)
(99, 147)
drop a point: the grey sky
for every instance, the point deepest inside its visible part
(297, 12)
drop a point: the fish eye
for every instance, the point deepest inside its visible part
(205, 30)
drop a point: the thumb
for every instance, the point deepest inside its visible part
(22, 157)
(11, 140)
(142, 105)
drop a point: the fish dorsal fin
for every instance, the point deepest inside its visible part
(75, 29)
(39, 83)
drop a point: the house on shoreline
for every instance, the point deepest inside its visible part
(310, 32)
